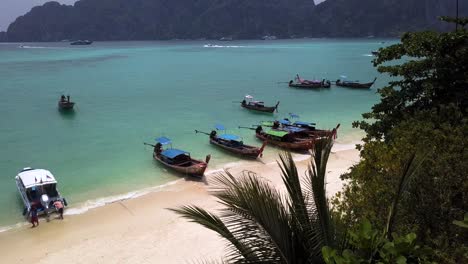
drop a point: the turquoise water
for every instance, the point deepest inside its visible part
(128, 93)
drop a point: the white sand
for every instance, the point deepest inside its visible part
(141, 230)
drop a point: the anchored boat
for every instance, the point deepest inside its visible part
(65, 103)
(250, 104)
(301, 83)
(355, 84)
(233, 143)
(81, 42)
(291, 140)
(309, 127)
(38, 188)
(178, 160)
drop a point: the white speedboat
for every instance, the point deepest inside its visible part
(38, 187)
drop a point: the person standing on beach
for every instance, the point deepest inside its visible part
(59, 206)
(34, 218)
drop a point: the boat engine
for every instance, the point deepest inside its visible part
(45, 202)
(213, 134)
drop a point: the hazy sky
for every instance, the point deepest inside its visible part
(11, 9)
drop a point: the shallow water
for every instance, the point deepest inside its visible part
(128, 93)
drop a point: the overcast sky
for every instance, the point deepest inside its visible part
(11, 9)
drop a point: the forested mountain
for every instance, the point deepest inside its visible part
(213, 19)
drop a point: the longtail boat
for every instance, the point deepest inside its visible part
(65, 104)
(307, 127)
(250, 104)
(178, 160)
(283, 139)
(233, 143)
(355, 84)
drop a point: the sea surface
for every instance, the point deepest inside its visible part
(127, 93)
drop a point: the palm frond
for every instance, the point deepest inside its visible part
(409, 169)
(251, 199)
(316, 187)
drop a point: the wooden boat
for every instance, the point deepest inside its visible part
(283, 139)
(355, 84)
(65, 104)
(178, 160)
(310, 84)
(248, 103)
(309, 128)
(234, 144)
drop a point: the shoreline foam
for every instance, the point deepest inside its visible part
(83, 207)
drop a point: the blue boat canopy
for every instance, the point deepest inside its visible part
(163, 140)
(294, 129)
(301, 123)
(172, 153)
(229, 137)
(284, 122)
(220, 127)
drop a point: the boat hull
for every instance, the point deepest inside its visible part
(66, 105)
(300, 145)
(265, 109)
(246, 152)
(356, 85)
(197, 168)
(309, 86)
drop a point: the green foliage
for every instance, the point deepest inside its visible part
(264, 226)
(432, 75)
(424, 110)
(435, 197)
(464, 223)
(367, 245)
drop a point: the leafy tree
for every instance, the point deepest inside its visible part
(433, 74)
(423, 110)
(264, 226)
(369, 246)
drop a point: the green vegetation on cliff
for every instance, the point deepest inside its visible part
(213, 19)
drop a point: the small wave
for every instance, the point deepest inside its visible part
(32, 47)
(368, 55)
(91, 204)
(17, 225)
(221, 46)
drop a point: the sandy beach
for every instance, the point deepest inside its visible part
(142, 230)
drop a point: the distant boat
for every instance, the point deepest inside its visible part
(250, 104)
(65, 104)
(355, 84)
(81, 42)
(301, 83)
(268, 37)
